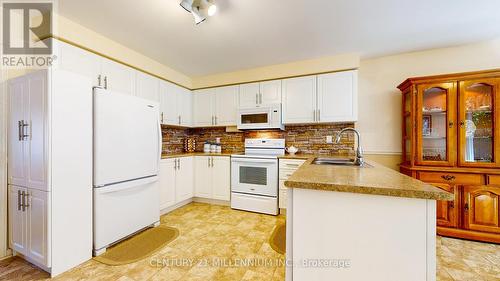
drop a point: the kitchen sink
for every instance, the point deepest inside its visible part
(338, 162)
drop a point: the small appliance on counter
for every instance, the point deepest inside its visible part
(254, 176)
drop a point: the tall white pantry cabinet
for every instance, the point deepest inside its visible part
(50, 168)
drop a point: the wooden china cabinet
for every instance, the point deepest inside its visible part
(451, 139)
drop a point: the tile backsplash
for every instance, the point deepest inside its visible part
(309, 139)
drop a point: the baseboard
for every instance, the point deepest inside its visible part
(212, 201)
(468, 234)
(176, 206)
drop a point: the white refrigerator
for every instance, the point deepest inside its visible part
(127, 151)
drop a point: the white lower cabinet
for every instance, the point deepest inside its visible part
(184, 179)
(28, 214)
(286, 168)
(176, 181)
(212, 177)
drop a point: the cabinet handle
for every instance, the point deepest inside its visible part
(257, 98)
(450, 124)
(260, 96)
(179, 119)
(99, 80)
(319, 115)
(26, 203)
(179, 163)
(23, 204)
(462, 123)
(19, 200)
(466, 207)
(215, 118)
(106, 82)
(208, 162)
(452, 204)
(20, 129)
(212, 120)
(448, 177)
(162, 117)
(212, 161)
(293, 165)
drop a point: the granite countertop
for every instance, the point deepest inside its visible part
(376, 180)
(187, 154)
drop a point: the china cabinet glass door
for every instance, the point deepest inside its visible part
(478, 119)
(436, 115)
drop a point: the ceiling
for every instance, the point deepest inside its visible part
(252, 33)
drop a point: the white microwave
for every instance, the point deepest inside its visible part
(260, 118)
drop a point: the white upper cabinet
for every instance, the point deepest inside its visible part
(184, 103)
(338, 96)
(325, 98)
(226, 105)
(175, 105)
(147, 86)
(118, 77)
(215, 106)
(79, 61)
(203, 108)
(257, 94)
(249, 95)
(270, 92)
(299, 100)
(168, 103)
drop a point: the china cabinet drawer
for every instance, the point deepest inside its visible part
(458, 178)
(494, 179)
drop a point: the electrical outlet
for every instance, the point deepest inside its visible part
(329, 139)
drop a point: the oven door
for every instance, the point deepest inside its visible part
(254, 176)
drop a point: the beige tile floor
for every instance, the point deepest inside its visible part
(210, 234)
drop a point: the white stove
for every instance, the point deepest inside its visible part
(254, 176)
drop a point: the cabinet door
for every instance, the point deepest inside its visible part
(226, 106)
(17, 220)
(270, 92)
(147, 86)
(203, 177)
(249, 95)
(221, 178)
(478, 117)
(18, 101)
(338, 96)
(37, 234)
(481, 206)
(118, 77)
(37, 137)
(203, 108)
(447, 211)
(185, 104)
(79, 61)
(436, 131)
(184, 182)
(299, 100)
(168, 99)
(166, 183)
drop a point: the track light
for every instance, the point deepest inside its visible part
(199, 9)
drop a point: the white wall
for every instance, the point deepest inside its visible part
(380, 100)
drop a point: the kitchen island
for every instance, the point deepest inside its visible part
(360, 223)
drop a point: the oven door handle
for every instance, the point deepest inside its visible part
(254, 160)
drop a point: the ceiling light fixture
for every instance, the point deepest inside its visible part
(199, 9)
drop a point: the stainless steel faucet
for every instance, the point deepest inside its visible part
(359, 151)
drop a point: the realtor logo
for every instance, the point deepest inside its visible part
(24, 26)
(26, 30)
